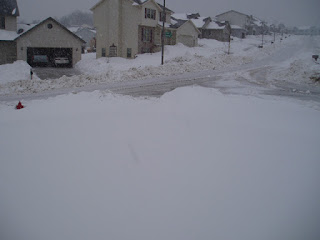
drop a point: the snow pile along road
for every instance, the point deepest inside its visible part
(210, 55)
(193, 164)
(17, 71)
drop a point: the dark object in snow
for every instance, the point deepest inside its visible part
(272, 42)
(315, 57)
(260, 46)
(19, 106)
(31, 73)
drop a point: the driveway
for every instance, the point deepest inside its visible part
(54, 73)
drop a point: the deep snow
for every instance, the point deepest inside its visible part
(193, 164)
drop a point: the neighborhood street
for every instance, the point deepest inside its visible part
(248, 79)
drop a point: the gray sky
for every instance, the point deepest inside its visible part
(289, 12)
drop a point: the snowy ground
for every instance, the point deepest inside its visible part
(193, 163)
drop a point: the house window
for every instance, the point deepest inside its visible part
(150, 13)
(2, 22)
(129, 52)
(162, 17)
(113, 51)
(50, 26)
(146, 35)
(103, 52)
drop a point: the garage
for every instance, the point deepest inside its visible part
(49, 57)
(186, 40)
(49, 44)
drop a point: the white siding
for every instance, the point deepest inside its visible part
(187, 34)
(235, 18)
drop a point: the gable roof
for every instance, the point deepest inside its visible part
(198, 21)
(9, 8)
(138, 2)
(53, 20)
(234, 12)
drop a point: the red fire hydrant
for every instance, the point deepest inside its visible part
(19, 106)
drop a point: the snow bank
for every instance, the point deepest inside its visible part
(209, 55)
(193, 164)
(16, 71)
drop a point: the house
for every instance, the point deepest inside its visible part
(88, 34)
(245, 24)
(38, 44)
(129, 27)
(207, 27)
(220, 31)
(187, 33)
(9, 12)
(195, 18)
(236, 18)
(51, 39)
(238, 32)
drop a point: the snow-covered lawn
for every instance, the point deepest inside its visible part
(210, 55)
(193, 164)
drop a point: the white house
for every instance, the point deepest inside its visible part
(39, 44)
(129, 27)
(243, 23)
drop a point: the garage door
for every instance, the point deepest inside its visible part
(187, 40)
(49, 57)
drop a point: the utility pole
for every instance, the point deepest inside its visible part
(229, 41)
(163, 30)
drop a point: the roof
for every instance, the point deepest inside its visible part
(9, 8)
(233, 11)
(198, 21)
(8, 35)
(51, 19)
(136, 2)
(216, 25)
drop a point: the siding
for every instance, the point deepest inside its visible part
(8, 51)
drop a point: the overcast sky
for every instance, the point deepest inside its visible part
(289, 12)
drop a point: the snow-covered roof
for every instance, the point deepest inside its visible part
(214, 25)
(8, 35)
(73, 29)
(199, 22)
(236, 27)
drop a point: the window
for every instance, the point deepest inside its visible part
(162, 17)
(50, 26)
(113, 51)
(146, 35)
(103, 52)
(2, 22)
(150, 13)
(129, 52)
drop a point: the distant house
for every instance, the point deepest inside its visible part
(129, 27)
(88, 34)
(236, 18)
(238, 32)
(9, 12)
(207, 27)
(246, 24)
(217, 30)
(195, 18)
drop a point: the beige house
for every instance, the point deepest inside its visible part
(126, 28)
(58, 42)
(45, 44)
